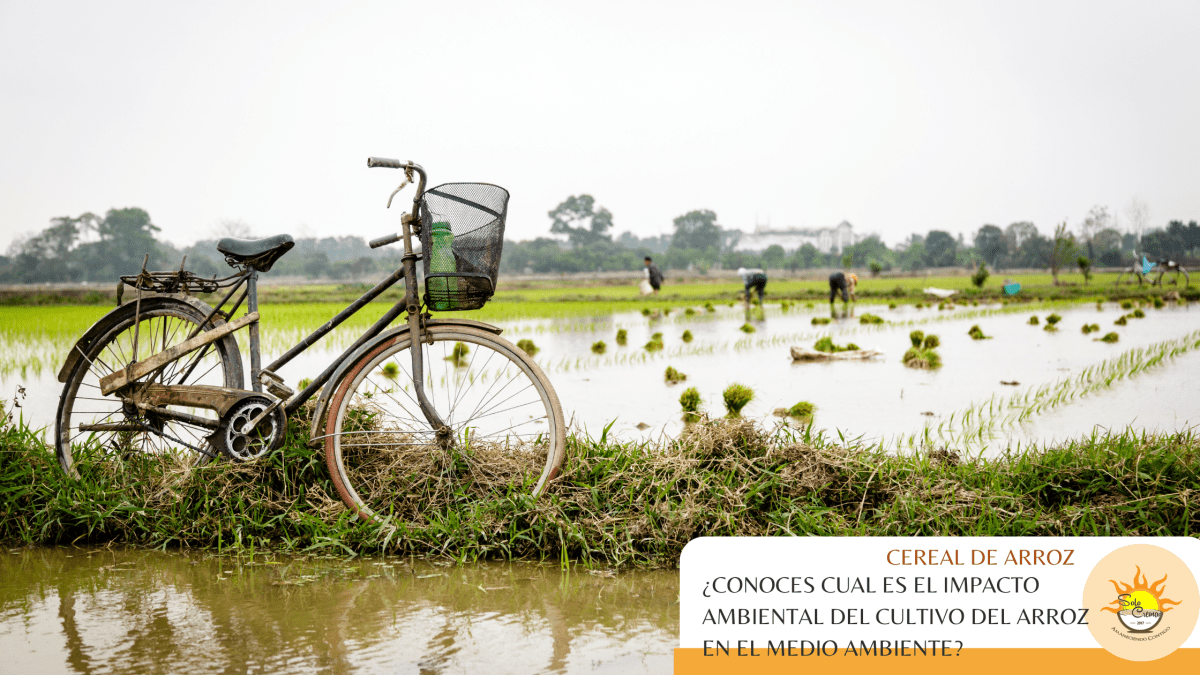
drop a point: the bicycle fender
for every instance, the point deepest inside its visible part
(316, 425)
(103, 325)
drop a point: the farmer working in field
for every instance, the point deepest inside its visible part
(653, 275)
(754, 279)
(839, 282)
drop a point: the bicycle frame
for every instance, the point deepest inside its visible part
(409, 303)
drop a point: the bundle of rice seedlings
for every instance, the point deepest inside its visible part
(654, 346)
(826, 345)
(672, 376)
(802, 411)
(1158, 303)
(687, 336)
(1053, 319)
(709, 306)
(916, 337)
(747, 328)
(941, 306)
(657, 336)
(870, 319)
(1120, 321)
(622, 336)
(891, 305)
(926, 359)
(1137, 314)
(666, 311)
(645, 311)
(809, 305)
(1033, 320)
(919, 305)
(820, 320)
(931, 342)
(690, 401)
(458, 354)
(689, 312)
(390, 370)
(1126, 304)
(599, 347)
(1050, 328)
(1099, 305)
(785, 306)
(736, 397)
(528, 347)
(1111, 337)
(304, 383)
(976, 333)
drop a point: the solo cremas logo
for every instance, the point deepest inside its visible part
(1137, 619)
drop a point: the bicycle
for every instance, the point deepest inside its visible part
(474, 396)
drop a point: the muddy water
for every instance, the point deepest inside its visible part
(65, 610)
(879, 400)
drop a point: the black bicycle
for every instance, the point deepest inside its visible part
(160, 379)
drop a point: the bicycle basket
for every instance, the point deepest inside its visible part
(462, 236)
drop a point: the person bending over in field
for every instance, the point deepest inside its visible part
(754, 279)
(838, 282)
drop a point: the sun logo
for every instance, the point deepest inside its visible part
(1140, 606)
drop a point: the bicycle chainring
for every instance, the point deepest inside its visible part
(238, 441)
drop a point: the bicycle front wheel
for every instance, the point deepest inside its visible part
(507, 425)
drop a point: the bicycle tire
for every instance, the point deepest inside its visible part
(378, 443)
(164, 322)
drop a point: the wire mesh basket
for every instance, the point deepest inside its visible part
(462, 236)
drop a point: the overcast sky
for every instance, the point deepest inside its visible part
(900, 117)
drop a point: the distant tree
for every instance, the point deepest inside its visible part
(1062, 251)
(940, 248)
(876, 267)
(847, 260)
(1016, 234)
(773, 257)
(578, 218)
(126, 236)
(232, 227)
(1085, 268)
(806, 256)
(991, 244)
(316, 265)
(698, 230)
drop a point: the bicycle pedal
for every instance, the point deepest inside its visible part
(275, 385)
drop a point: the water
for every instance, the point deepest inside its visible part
(878, 400)
(68, 610)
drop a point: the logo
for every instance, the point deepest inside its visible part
(1137, 619)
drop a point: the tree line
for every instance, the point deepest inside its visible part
(91, 248)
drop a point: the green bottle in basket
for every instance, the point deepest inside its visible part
(441, 260)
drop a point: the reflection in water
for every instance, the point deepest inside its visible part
(103, 611)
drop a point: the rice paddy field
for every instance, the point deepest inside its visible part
(1020, 385)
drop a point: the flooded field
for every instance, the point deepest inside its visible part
(969, 402)
(71, 610)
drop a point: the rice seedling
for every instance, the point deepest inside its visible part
(622, 337)
(931, 342)
(785, 306)
(802, 411)
(687, 336)
(731, 303)
(1110, 338)
(673, 376)
(1050, 328)
(820, 320)
(1126, 304)
(654, 346)
(666, 311)
(709, 307)
(891, 305)
(599, 347)
(657, 336)
(916, 337)
(1033, 320)
(689, 312)
(747, 328)
(870, 319)
(645, 311)
(1137, 314)
(458, 354)
(736, 397)
(826, 345)
(1158, 302)
(526, 345)
(919, 305)
(924, 359)
(1053, 319)
(690, 401)
(941, 306)
(304, 383)
(1121, 321)
(390, 370)
(808, 305)
(976, 333)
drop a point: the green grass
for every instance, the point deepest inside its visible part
(625, 504)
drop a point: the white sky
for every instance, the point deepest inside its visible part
(896, 116)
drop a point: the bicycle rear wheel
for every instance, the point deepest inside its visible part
(101, 437)
(507, 424)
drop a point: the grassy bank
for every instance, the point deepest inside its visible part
(618, 503)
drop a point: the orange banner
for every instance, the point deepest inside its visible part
(973, 661)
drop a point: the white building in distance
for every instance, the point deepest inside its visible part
(826, 239)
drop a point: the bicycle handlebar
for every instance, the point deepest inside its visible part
(385, 240)
(373, 162)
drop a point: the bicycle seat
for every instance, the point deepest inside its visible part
(260, 254)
